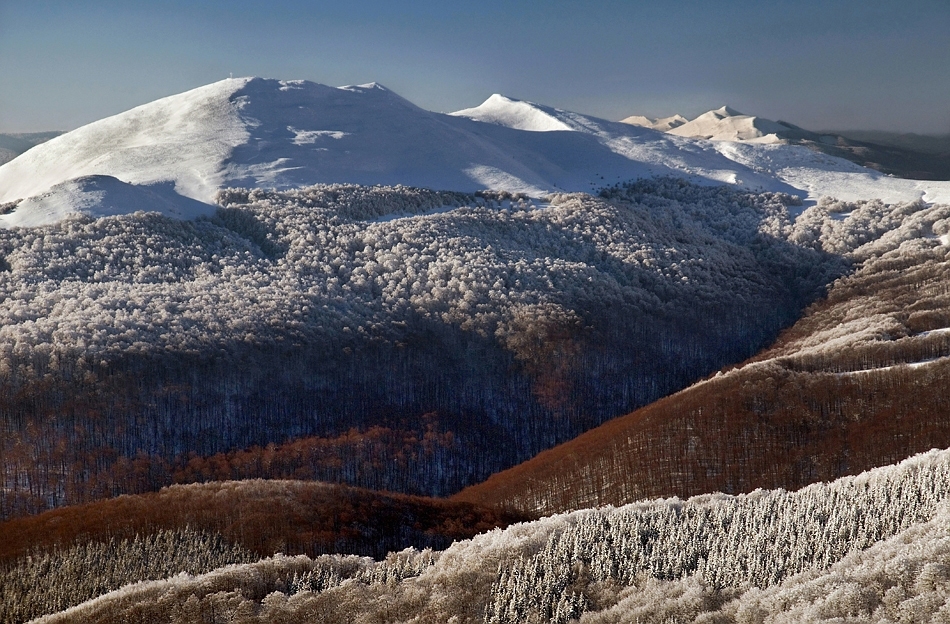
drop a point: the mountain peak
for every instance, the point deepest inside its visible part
(502, 110)
(369, 86)
(726, 111)
(663, 124)
(728, 124)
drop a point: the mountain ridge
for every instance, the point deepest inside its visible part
(263, 133)
(901, 155)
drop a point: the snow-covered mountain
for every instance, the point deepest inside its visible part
(252, 132)
(722, 124)
(663, 124)
(265, 133)
(726, 124)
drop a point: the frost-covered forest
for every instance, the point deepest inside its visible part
(48, 582)
(857, 382)
(476, 329)
(872, 547)
(416, 341)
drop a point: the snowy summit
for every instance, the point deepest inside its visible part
(174, 154)
(726, 124)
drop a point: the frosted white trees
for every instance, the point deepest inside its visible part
(49, 582)
(559, 313)
(873, 547)
(755, 540)
(473, 261)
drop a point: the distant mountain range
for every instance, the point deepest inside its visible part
(12, 145)
(903, 155)
(935, 144)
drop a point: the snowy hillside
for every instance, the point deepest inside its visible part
(265, 133)
(252, 132)
(101, 196)
(726, 124)
(531, 321)
(874, 545)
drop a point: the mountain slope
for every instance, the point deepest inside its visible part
(58, 559)
(799, 554)
(258, 133)
(255, 132)
(101, 196)
(335, 309)
(263, 516)
(856, 383)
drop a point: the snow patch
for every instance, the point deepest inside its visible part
(494, 178)
(309, 137)
(101, 196)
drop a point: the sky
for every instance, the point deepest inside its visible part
(828, 64)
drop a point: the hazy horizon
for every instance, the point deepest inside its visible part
(854, 65)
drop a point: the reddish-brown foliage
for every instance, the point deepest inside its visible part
(264, 516)
(795, 414)
(376, 457)
(735, 434)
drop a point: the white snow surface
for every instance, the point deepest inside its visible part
(726, 124)
(664, 124)
(102, 196)
(253, 132)
(816, 175)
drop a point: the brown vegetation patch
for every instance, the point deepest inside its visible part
(293, 517)
(859, 382)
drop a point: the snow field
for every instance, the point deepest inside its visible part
(257, 133)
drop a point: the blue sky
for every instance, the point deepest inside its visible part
(831, 64)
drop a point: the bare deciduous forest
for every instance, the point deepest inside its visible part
(475, 330)
(420, 343)
(856, 383)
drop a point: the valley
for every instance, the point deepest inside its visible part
(345, 359)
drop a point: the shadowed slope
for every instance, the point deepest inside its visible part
(311, 313)
(262, 516)
(858, 382)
